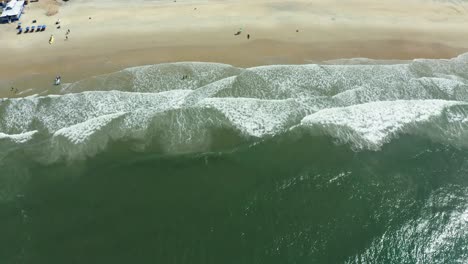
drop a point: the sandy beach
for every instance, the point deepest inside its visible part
(122, 34)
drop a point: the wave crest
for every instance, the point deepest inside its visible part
(370, 125)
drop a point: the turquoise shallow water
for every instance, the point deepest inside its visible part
(363, 163)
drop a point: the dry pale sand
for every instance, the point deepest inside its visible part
(122, 34)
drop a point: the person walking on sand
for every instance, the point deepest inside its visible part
(248, 36)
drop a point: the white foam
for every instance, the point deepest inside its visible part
(209, 90)
(255, 117)
(445, 85)
(83, 139)
(19, 138)
(170, 76)
(366, 105)
(55, 112)
(409, 89)
(81, 132)
(371, 125)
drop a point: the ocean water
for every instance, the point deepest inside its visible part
(354, 161)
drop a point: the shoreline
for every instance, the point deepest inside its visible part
(256, 53)
(172, 32)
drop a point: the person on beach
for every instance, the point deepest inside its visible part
(58, 80)
(248, 36)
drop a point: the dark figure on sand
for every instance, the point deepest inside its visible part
(248, 36)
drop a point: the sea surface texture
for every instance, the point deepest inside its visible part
(351, 161)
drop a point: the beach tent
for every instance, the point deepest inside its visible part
(12, 11)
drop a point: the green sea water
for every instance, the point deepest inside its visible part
(280, 164)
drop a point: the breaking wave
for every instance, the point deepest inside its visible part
(181, 104)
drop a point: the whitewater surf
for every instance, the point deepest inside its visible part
(353, 161)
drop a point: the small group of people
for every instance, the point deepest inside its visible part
(66, 34)
(240, 32)
(185, 77)
(15, 90)
(59, 26)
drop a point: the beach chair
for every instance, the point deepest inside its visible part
(33, 28)
(39, 28)
(43, 28)
(20, 30)
(19, 26)
(27, 30)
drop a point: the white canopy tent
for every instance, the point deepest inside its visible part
(12, 11)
